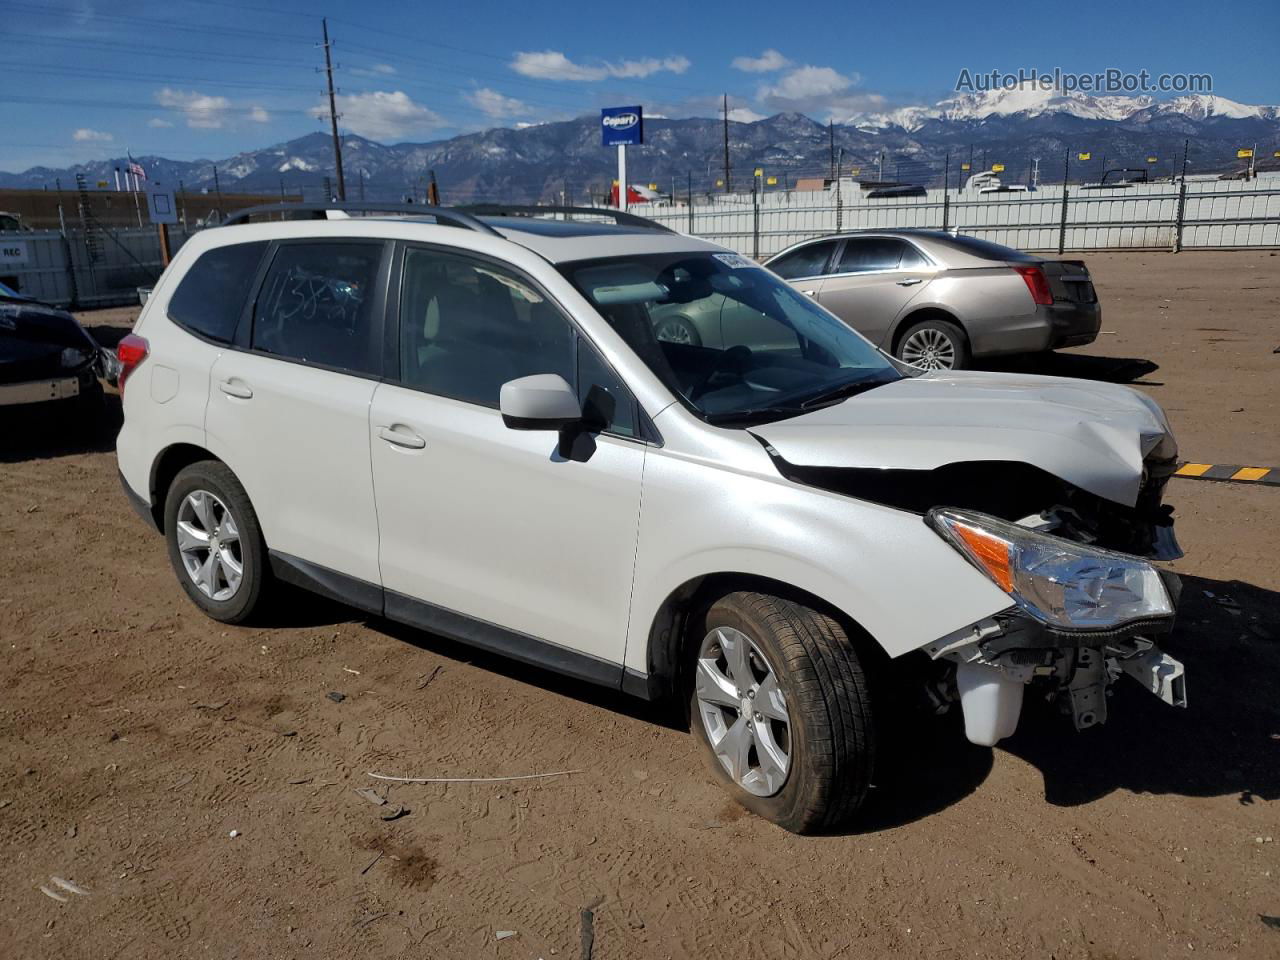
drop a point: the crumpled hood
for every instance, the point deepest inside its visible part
(1093, 435)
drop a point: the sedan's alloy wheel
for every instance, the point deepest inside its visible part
(209, 544)
(929, 349)
(743, 711)
(674, 331)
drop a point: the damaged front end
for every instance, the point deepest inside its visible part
(1082, 615)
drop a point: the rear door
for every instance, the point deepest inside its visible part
(289, 410)
(872, 282)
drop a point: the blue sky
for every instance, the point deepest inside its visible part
(202, 78)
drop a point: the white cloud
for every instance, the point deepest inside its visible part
(377, 70)
(494, 104)
(768, 62)
(85, 135)
(382, 115)
(259, 115)
(805, 82)
(554, 65)
(202, 110)
(820, 92)
(158, 123)
(745, 115)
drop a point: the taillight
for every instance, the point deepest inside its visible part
(130, 351)
(1037, 284)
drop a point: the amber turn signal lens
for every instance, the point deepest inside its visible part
(990, 551)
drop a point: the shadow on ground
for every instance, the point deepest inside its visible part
(58, 429)
(1227, 740)
(1080, 365)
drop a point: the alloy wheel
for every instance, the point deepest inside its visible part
(209, 544)
(743, 711)
(929, 349)
(674, 331)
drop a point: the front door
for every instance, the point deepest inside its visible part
(486, 527)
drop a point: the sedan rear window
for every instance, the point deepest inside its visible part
(983, 249)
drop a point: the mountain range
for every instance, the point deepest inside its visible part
(550, 160)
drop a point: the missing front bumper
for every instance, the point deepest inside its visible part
(991, 677)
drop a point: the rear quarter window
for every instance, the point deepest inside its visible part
(212, 293)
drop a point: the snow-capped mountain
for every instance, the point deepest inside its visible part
(911, 144)
(1033, 101)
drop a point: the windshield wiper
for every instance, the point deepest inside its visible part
(842, 392)
(752, 414)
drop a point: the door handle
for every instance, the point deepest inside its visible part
(909, 282)
(810, 293)
(235, 388)
(402, 439)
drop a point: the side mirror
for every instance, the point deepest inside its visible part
(544, 401)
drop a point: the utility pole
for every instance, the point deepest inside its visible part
(333, 112)
(433, 190)
(728, 187)
(831, 137)
(361, 173)
(1182, 199)
(1066, 175)
(217, 187)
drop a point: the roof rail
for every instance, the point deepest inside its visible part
(529, 210)
(318, 211)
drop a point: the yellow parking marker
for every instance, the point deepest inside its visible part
(1250, 473)
(1192, 469)
(1231, 473)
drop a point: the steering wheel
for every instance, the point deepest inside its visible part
(735, 357)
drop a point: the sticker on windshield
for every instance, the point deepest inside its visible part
(734, 261)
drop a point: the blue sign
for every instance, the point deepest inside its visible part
(622, 125)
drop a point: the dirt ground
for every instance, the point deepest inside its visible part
(199, 781)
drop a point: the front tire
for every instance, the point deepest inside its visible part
(215, 543)
(781, 705)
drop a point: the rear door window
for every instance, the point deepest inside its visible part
(317, 305)
(808, 261)
(869, 254)
(212, 293)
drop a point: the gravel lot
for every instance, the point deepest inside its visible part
(136, 736)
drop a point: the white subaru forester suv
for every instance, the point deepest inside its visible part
(464, 421)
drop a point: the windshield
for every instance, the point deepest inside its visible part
(732, 341)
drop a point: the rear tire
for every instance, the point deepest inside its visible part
(207, 504)
(828, 744)
(677, 330)
(934, 345)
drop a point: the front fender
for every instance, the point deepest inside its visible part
(881, 567)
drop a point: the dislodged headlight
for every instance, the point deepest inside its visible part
(1063, 584)
(73, 357)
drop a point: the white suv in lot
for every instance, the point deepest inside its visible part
(465, 422)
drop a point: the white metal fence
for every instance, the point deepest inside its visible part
(1197, 214)
(94, 268)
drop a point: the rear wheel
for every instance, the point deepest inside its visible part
(934, 345)
(215, 544)
(780, 702)
(677, 330)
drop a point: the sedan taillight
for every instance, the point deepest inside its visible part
(1035, 280)
(130, 351)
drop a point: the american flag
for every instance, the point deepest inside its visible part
(136, 168)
